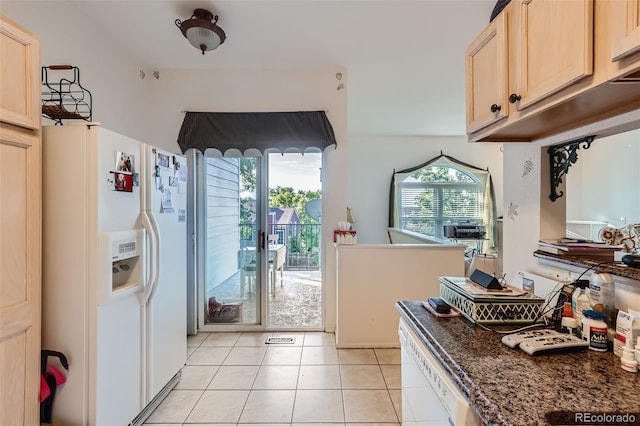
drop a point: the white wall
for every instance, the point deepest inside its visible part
(521, 224)
(368, 288)
(177, 91)
(371, 162)
(120, 96)
(603, 184)
(595, 188)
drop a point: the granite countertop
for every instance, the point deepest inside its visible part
(615, 268)
(508, 387)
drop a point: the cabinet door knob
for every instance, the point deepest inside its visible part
(514, 98)
(495, 108)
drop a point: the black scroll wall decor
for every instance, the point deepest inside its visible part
(561, 157)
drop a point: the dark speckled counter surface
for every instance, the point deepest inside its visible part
(508, 387)
(616, 268)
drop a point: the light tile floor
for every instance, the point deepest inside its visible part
(237, 379)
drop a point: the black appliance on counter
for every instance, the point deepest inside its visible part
(464, 230)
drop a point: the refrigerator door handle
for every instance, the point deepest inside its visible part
(153, 258)
(148, 293)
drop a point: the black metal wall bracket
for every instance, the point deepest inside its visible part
(561, 157)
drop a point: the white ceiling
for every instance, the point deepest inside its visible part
(404, 59)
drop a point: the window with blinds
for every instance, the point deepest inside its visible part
(435, 196)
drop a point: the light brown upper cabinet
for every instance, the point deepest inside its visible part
(532, 50)
(487, 76)
(561, 74)
(20, 81)
(625, 28)
(624, 24)
(556, 48)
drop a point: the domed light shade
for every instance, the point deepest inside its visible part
(201, 32)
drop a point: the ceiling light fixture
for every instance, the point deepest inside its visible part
(201, 32)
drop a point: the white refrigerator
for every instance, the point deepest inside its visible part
(114, 272)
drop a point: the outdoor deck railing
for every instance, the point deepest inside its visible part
(301, 239)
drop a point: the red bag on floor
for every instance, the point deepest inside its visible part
(50, 379)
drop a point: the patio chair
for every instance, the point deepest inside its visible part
(276, 262)
(248, 269)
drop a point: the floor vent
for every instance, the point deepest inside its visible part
(280, 340)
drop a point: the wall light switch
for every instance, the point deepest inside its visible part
(623, 220)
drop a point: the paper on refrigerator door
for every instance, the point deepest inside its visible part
(166, 205)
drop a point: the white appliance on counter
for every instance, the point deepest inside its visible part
(429, 396)
(114, 272)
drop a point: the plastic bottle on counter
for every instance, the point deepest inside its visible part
(628, 361)
(569, 325)
(594, 330)
(580, 299)
(602, 292)
(638, 350)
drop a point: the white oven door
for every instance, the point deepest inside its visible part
(429, 396)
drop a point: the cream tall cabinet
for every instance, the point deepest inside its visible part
(20, 225)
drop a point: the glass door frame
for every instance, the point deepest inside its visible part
(200, 209)
(196, 285)
(267, 167)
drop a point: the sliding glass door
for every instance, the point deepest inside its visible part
(233, 261)
(294, 228)
(258, 243)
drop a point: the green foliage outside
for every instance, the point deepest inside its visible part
(452, 195)
(247, 205)
(248, 174)
(441, 174)
(307, 237)
(288, 197)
